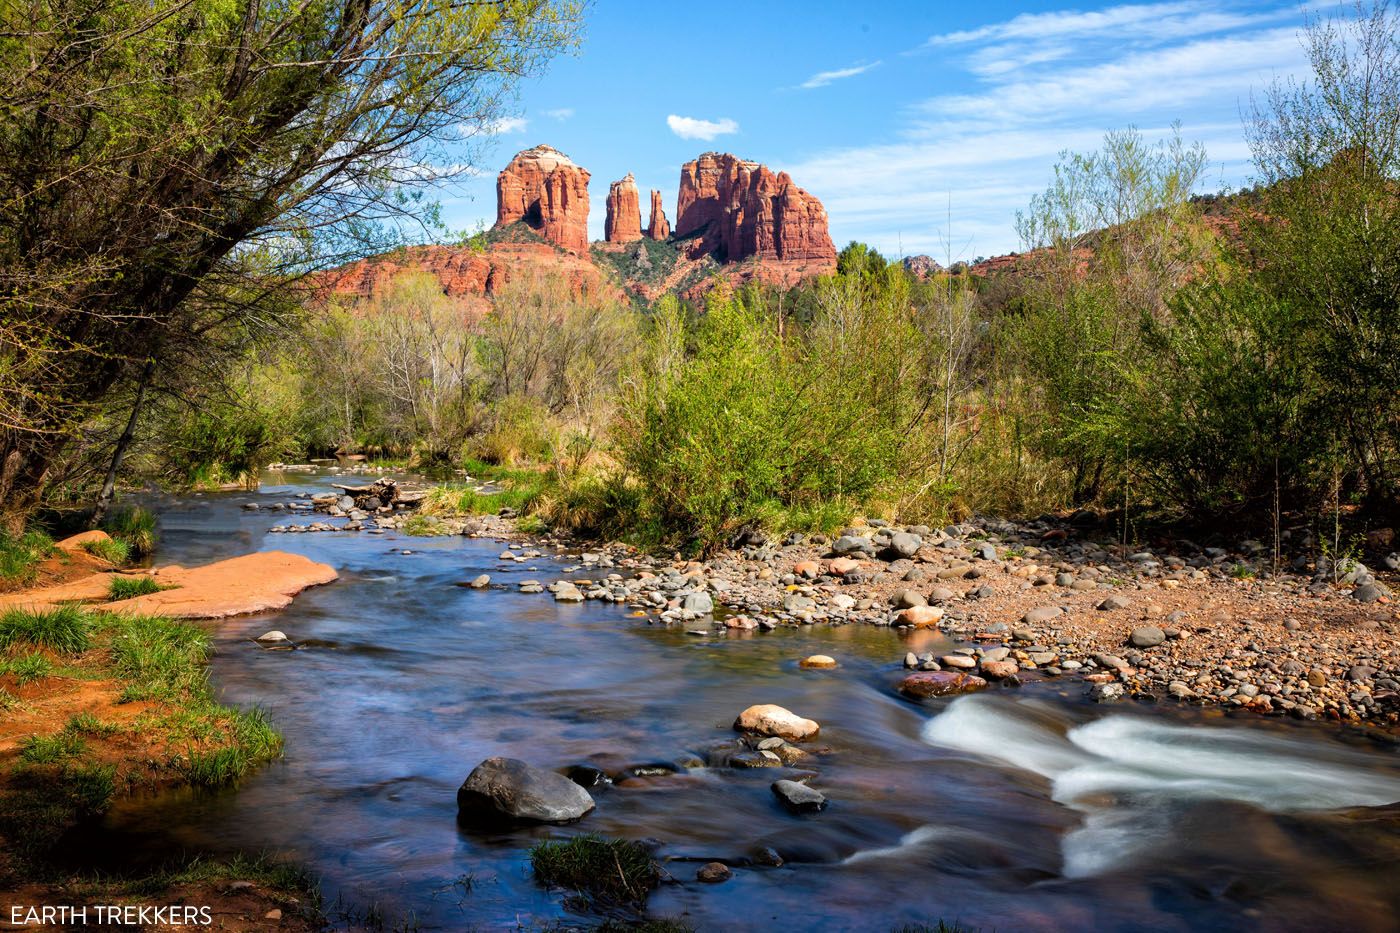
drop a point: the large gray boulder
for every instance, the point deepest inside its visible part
(510, 788)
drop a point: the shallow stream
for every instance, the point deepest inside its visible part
(1013, 810)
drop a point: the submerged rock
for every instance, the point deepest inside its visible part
(799, 798)
(713, 873)
(508, 787)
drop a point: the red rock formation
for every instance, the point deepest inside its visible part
(624, 220)
(659, 228)
(544, 188)
(736, 209)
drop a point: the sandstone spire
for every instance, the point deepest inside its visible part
(624, 220)
(659, 228)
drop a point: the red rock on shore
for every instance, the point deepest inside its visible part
(546, 190)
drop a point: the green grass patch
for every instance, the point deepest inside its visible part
(422, 526)
(67, 629)
(20, 556)
(135, 527)
(162, 659)
(87, 724)
(459, 499)
(8, 701)
(112, 550)
(120, 588)
(47, 749)
(263, 870)
(27, 668)
(256, 741)
(601, 872)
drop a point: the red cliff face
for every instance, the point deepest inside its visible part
(659, 228)
(624, 220)
(737, 210)
(544, 188)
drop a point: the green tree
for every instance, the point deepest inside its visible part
(156, 154)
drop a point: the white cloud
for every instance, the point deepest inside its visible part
(560, 113)
(506, 125)
(692, 128)
(1036, 85)
(823, 78)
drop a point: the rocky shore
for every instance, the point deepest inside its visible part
(991, 603)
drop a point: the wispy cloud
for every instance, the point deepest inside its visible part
(1038, 84)
(692, 128)
(560, 113)
(823, 78)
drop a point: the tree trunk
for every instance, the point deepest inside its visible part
(109, 485)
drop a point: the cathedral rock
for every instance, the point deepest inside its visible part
(623, 223)
(735, 210)
(659, 228)
(545, 189)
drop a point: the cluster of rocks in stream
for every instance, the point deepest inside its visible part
(989, 603)
(508, 790)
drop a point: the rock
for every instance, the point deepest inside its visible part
(799, 798)
(1116, 601)
(544, 189)
(1317, 678)
(818, 662)
(926, 684)
(508, 787)
(272, 637)
(919, 616)
(841, 566)
(623, 222)
(659, 228)
(1368, 593)
(958, 661)
(769, 719)
(852, 544)
(921, 267)
(1041, 614)
(1391, 561)
(713, 873)
(1000, 670)
(481, 582)
(1147, 636)
(908, 599)
(568, 594)
(734, 210)
(807, 569)
(1106, 691)
(904, 545)
(698, 603)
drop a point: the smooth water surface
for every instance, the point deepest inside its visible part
(1012, 810)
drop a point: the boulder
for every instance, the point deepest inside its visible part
(510, 788)
(1041, 614)
(919, 616)
(926, 684)
(799, 798)
(1147, 636)
(818, 662)
(769, 719)
(903, 545)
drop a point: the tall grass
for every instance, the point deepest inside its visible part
(119, 588)
(20, 556)
(161, 658)
(135, 526)
(603, 872)
(112, 550)
(67, 629)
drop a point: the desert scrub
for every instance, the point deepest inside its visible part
(20, 556)
(120, 588)
(600, 872)
(112, 550)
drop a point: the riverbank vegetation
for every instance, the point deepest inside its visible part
(99, 705)
(1153, 355)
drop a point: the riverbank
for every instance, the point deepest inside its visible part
(1008, 603)
(106, 695)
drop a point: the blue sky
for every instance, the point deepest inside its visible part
(923, 127)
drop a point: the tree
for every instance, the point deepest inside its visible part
(158, 156)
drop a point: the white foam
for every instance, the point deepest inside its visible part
(1122, 771)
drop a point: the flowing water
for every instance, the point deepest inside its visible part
(1012, 810)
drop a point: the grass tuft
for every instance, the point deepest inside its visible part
(20, 556)
(134, 526)
(603, 872)
(27, 668)
(67, 629)
(112, 550)
(120, 588)
(49, 749)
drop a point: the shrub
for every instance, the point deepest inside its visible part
(67, 629)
